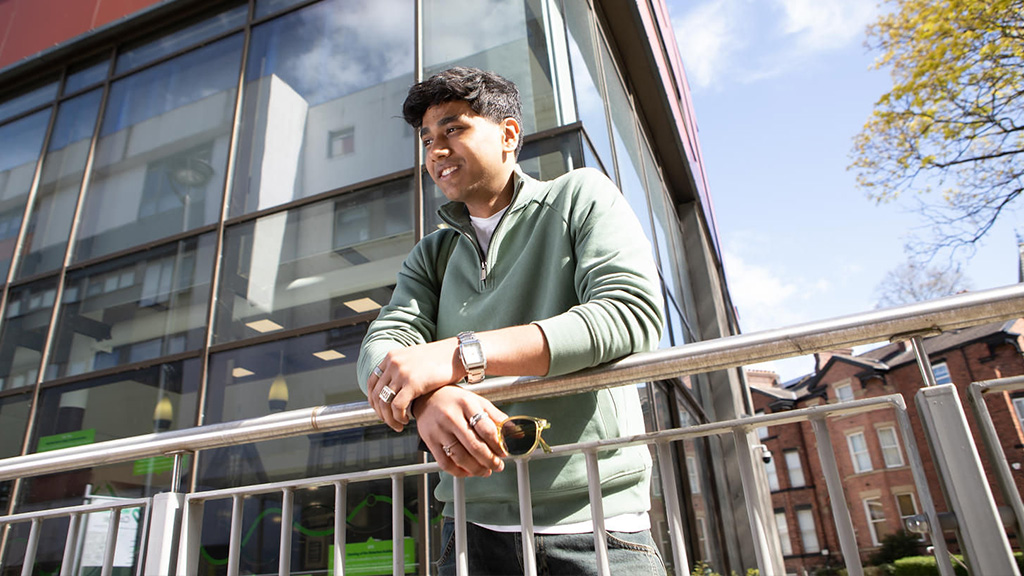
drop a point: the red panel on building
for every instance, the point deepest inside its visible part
(28, 27)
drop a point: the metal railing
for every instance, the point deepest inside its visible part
(906, 322)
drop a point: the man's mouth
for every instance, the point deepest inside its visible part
(446, 171)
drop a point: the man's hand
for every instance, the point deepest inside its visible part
(442, 420)
(412, 372)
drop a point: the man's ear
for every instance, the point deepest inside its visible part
(511, 132)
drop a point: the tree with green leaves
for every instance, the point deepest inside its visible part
(953, 122)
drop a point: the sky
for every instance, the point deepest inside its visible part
(780, 88)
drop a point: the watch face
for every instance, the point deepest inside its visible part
(472, 354)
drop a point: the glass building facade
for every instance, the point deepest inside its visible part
(198, 222)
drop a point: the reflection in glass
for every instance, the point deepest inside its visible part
(28, 100)
(302, 372)
(134, 308)
(182, 38)
(314, 264)
(160, 160)
(86, 76)
(63, 168)
(20, 145)
(586, 75)
(507, 37)
(23, 333)
(367, 518)
(323, 99)
(13, 418)
(626, 146)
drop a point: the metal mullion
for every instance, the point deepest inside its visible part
(218, 249)
(61, 276)
(596, 41)
(33, 190)
(419, 225)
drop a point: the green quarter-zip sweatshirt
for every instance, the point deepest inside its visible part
(570, 256)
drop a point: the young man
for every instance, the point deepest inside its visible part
(539, 278)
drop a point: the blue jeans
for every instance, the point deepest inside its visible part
(500, 553)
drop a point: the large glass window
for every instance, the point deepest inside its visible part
(63, 168)
(153, 399)
(587, 79)
(325, 79)
(322, 262)
(507, 37)
(180, 38)
(37, 96)
(134, 308)
(163, 148)
(782, 525)
(890, 443)
(795, 469)
(13, 419)
(21, 142)
(311, 370)
(23, 333)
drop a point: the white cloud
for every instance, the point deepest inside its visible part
(745, 41)
(708, 37)
(826, 24)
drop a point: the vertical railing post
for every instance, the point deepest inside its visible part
(111, 548)
(526, 516)
(768, 562)
(164, 526)
(461, 548)
(670, 490)
(597, 512)
(340, 525)
(235, 538)
(836, 494)
(284, 561)
(29, 563)
(398, 523)
(191, 537)
(979, 526)
(990, 438)
(67, 564)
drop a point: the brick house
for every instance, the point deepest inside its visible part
(878, 482)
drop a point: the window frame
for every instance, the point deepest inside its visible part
(855, 454)
(894, 446)
(872, 522)
(795, 455)
(840, 397)
(805, 531)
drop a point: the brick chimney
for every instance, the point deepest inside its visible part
(822, 358)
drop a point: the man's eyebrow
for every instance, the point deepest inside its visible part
(443, 121)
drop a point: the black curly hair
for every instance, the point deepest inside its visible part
(487, 94)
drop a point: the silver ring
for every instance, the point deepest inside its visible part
(387, 395)
(377, 371)
(448, 449)
(475, 419)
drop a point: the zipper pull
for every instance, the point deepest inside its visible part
(483, 271)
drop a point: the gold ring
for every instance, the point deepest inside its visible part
(387, 395)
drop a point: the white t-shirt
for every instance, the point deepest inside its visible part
(485, 227)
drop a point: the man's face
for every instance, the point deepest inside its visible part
(469, 157)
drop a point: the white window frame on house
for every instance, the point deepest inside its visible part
(892, 453)
(773, 475)
(694, 474)
(861, 459)
(904, 514)
(794, 468)
(1018, 407)
(762, 431)
(844, 392)
(808, 533)
(782, 525)
(873, 521)
(941, 372)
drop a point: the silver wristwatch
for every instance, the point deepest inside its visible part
(472, 355)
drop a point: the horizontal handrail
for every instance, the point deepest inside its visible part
(942, 314)
(119, 504)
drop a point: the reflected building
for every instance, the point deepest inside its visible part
(204, 204)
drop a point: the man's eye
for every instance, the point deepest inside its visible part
(427, 142)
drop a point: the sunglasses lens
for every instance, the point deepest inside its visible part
(520, 436)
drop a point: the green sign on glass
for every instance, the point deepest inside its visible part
(66, 440)
(372, 558)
